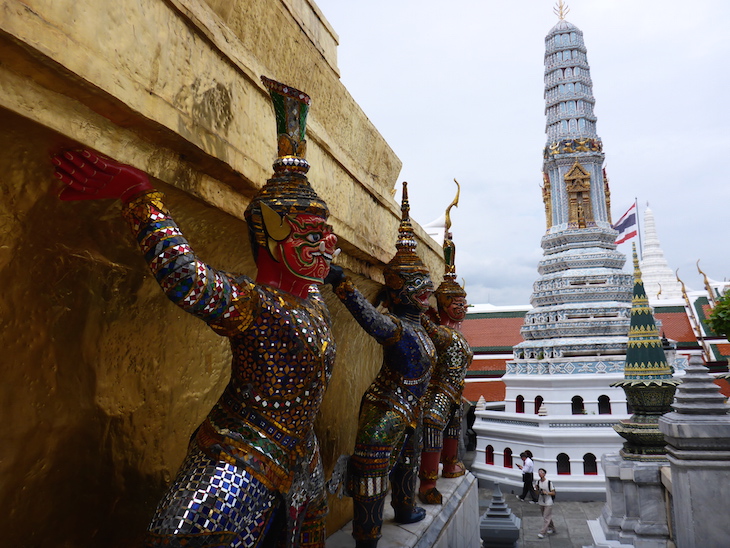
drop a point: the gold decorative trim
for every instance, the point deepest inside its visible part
(578, 186)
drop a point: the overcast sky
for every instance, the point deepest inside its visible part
(456, 89)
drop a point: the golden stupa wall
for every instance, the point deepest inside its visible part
(104, 379)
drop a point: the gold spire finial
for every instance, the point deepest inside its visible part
(449, 288)
(637, 270)
(708, 287)
(454, 203)
(684, 289)
(561, 10)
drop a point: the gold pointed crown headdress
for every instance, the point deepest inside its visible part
(449, 288)
(288, 192)
(405, 261)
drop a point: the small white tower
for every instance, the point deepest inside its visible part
(659, 280)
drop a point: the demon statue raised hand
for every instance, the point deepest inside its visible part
(442, 414)
(387, 441)
(252, 474)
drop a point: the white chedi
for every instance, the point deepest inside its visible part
(660, 282)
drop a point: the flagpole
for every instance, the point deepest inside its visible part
(638, 228)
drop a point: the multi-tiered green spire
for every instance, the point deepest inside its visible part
(645, 358)
(648, 382)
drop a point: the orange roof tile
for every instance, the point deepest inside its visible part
(706, 310)
(724, 387)
(502, 332)
(492, 364)
(675, 325)
(492, 391)
(723, 348)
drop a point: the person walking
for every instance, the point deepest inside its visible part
(545, 500)
(528, 469)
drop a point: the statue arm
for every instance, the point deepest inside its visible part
(440, 335)
(187, 281)
(384, 328)
(87, 176)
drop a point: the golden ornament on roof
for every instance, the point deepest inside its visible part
(561, 10)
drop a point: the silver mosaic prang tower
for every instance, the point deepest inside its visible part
(559, 402)
(582, 298)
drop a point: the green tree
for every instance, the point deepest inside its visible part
(719, 319)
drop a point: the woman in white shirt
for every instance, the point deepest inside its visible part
(546, 490)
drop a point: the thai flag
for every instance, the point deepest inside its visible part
(626, 225)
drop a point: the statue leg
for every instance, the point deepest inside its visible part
(368, 520)
(453, 467)
(428, 474)
(368, 483)
(380, 434)
(403, 482)
(213, 503)
(313, 532)
(430, 457)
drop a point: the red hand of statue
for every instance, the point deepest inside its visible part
(90, 177)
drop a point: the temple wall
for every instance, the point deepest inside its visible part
(104, 379)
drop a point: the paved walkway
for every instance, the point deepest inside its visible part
(570, 520)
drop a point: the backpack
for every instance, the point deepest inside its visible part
(551, 487)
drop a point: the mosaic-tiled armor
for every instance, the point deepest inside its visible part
(257, 444)
(442, 416)
(387, 441)
(252, 476)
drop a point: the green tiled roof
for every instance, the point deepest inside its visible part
(492, 349)
(718, 351)
(486, 373)
(669, 309)
(700, 305)
(482, 315)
